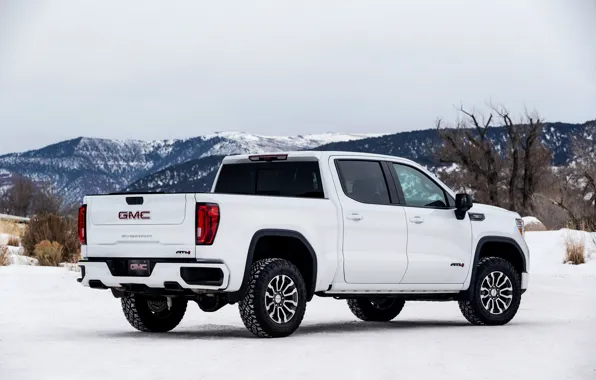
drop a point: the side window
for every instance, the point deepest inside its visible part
(363, 181)
(418, 189)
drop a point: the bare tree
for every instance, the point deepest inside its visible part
(468, 145)
(17, 199)
(501, 177)
(581, 190)
(513, 149)
(536, 160)
(46, 201)
(25, 198)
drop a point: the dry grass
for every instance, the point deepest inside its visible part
(75, 257)
(48, 254)
(575, 248)
(14, 241)
(56, 229)
(11, 228)
(4, 260)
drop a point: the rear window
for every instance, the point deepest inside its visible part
(284, 179)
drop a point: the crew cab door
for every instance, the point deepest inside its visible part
(439, 246)
(374, 225)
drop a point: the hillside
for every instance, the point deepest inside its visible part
(87, 165)
(192, 176)
(419, 146)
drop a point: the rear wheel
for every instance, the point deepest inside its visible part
(377, 309)
(153, 314)
(496, 295)
(275, 301)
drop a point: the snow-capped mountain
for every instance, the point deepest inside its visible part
(90, 165)
(421, 145)
(192, 176)
(197, 175)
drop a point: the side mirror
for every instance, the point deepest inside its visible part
(463, 202)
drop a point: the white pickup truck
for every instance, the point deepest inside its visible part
(278, 229)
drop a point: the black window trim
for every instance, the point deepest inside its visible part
(448, 197)
(392, 201)
(395, 195)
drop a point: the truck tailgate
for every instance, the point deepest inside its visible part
(141, 225)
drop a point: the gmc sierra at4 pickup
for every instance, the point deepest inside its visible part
(278, 229)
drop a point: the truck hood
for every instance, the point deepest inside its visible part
(488, 209)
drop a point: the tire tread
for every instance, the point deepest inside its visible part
(365, 312)
(468, 308)
(143, 322)
(261, 269)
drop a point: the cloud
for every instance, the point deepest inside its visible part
(154, 69)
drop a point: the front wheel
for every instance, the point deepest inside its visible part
(275, 301)
(496, 293)
(376, 309)
(153, 314)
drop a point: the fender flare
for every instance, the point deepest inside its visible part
(492, 239)
(239, 294)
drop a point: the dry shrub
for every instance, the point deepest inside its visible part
(575, 249)
(10, 228)
(14, 241)
(4, 260)
(56, 229)
(75, 258)
(48, 254)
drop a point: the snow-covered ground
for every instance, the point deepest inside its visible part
(15, 254)
(52, 328)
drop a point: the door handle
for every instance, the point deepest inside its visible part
(354, 217)
(417, 219)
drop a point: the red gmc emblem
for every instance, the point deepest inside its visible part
(135, 266)
(134, 215)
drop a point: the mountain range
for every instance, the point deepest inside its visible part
(90, 165)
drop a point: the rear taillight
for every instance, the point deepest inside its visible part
(206, 223)
(83, 224)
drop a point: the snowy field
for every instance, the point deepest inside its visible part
(52, 328)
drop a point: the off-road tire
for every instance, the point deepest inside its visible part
(252, 307)
(138, 313)
(365, 309)
(472, 307)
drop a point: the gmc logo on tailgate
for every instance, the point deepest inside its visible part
(134, 215)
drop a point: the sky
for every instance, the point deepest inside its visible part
(151, 69)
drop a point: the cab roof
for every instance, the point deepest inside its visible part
(312, 155)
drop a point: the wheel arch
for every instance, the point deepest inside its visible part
(489, 246)
(307, 265)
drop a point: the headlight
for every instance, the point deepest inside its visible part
(520, 226)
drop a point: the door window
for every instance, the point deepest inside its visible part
(363, 181)
(418, 189)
